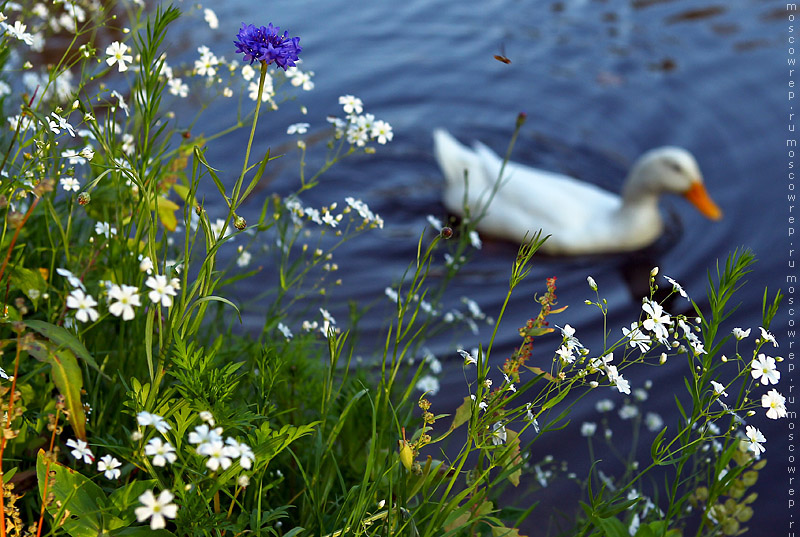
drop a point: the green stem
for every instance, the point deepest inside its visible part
(237, 187)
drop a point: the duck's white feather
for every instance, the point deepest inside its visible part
(579, 217)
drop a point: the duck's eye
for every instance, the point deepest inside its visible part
(674, 166)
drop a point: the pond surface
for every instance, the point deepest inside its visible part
(601, 82)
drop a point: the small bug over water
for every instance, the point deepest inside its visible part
(502, 56)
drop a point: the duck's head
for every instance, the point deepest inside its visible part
(673, 170)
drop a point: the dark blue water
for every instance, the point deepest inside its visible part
(601, 82)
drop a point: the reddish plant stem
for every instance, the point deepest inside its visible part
(47, 475)
(13, 243)
(7, 425)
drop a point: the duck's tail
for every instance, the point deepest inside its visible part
(455, 159)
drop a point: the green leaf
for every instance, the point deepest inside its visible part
(29, 282)
(502, 531)
(511, 461)
(655, 447)
(67, 377)
(608, 511)
(536, 331)
(77, 503)
(198, 154)
(257, 177)
(7, 475)
(463, 413)
(185, 194)
(431, 471)
(166, 212)
(126, 499)
(215, 298)
(539, 372)
(294, 531)
(343, 418)
(142, 531)
(611, 527)
(64, 338)
(550, 403)
(273, 442)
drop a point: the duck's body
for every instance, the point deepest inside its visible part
(580, 218)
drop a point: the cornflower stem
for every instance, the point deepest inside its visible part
(237, 187)
(206, 287)
(47, 473)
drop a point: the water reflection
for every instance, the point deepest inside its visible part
(601, 82)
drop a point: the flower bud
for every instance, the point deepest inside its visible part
(14, 219)
(654, 272)
(44, 186)
(239, 223)
(592, 283)
(446, 232)
(84, 198)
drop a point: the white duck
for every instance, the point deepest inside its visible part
(580, 218)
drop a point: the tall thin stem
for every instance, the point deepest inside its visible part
(237, 187)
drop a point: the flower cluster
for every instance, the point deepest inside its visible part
(570, 345)
(218, 454)
(370, 219)
(123, 298)
(328, 323)
(360, 128)
(108, 464)
(207, 64)
(470, 317)
(429, 383)
(659, 326)
(325, 215)
(266, 44)
(18, 30)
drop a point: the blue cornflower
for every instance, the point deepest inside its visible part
(265, 44)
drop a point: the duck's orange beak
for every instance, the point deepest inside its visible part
(698, 196)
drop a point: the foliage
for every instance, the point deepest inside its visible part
(120, 339)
